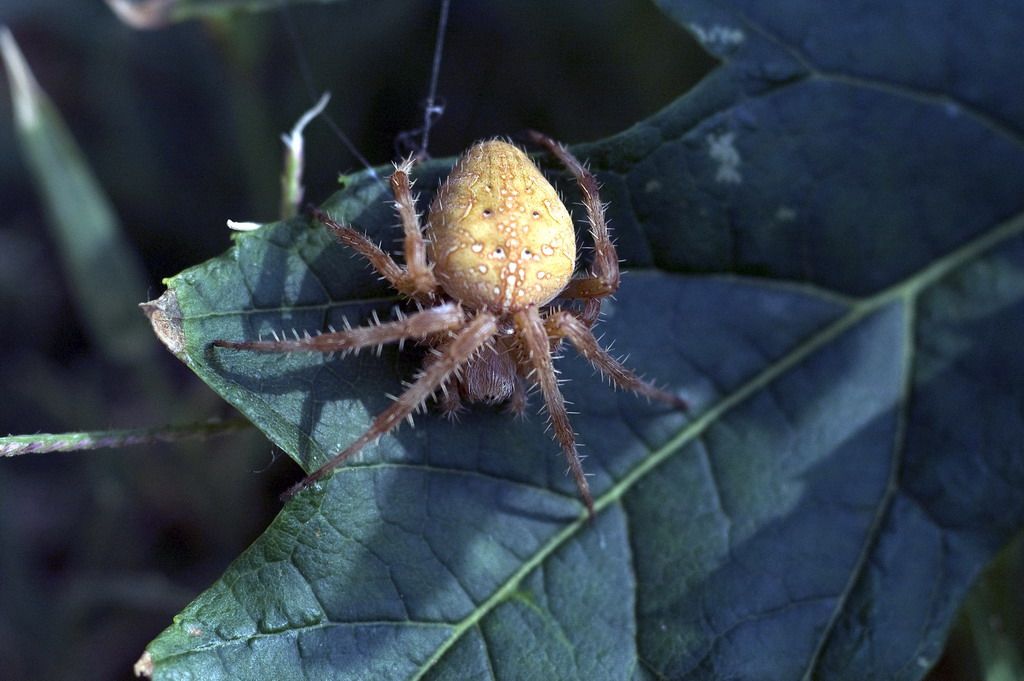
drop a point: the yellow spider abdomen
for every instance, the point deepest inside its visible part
(500, 237)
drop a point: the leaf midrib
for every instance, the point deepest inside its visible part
(909, 289)
(312, 307)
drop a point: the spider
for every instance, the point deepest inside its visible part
(497, 253)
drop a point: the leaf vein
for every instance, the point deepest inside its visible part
(904, 90)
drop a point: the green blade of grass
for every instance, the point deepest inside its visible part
(103, 270)
(41, 443)
(148, 14)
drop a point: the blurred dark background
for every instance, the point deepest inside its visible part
(98, 550)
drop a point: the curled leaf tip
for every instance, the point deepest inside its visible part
(144, 667)
(164, 315)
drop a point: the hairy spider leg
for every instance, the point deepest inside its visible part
(562, 324)
(398, 276)
(467, 342)
(420, 274)
(534, 337)
(419, 325)
(603, 279)
(449, 402)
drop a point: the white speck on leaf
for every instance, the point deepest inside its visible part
(723, 152)
(785, 214)
(718, 35)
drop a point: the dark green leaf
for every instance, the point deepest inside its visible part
(826, 240)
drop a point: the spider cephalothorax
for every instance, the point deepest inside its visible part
(497, 250)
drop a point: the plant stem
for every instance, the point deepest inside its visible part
(16, 445)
